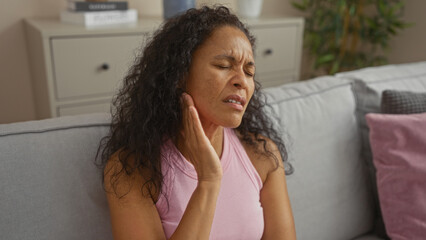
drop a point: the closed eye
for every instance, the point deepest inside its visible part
(249, 74)
(249, 70)
(223, 66)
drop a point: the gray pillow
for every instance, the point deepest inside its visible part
(368, 101)
(403, 102)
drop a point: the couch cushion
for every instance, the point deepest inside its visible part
(51, 188)
(369, 83)
(329, 193)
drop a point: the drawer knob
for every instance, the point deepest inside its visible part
(268, 52)
(105, 66)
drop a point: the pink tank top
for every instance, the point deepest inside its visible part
(238, 215)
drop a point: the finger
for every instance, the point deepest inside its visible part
(197, 126)
(189, 101)
(196, 123)
(189, 121)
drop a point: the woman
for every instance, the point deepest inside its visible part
(191, 154)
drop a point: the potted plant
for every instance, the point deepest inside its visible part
(342, 35)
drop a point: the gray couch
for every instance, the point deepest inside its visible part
(52, 190)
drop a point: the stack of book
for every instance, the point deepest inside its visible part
(98, 13)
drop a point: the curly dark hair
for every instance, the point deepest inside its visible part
(147, 110)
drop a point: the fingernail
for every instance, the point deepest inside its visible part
(186, 96)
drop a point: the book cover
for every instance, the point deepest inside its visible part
(80, 6)
(99, 18)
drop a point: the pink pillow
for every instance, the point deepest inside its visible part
(398, 144)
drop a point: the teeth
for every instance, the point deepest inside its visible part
(233, 101)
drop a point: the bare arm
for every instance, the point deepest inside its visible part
(133, 216)
(279, 222)
(198, 217)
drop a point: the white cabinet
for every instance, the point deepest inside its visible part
(77, 70)
(90, 66)
(278, 49)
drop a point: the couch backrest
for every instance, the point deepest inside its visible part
(368, 86)
(329, 190)
(50, 187)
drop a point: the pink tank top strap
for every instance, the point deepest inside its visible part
(245, 160)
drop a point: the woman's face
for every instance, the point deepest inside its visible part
(220, 78)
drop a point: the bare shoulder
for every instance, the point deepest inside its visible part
(118, 181)
(133, 213)
(263, 163)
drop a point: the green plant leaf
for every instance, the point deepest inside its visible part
(335, 67)
(300, 6)
(324, 59)
(330, 40)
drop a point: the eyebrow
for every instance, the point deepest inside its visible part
(231, 58)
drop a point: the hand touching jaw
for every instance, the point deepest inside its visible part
(196, 146)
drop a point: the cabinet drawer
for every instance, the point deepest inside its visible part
(77, 64)
(275, 48)
(84, 108)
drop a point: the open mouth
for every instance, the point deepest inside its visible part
(235, 101)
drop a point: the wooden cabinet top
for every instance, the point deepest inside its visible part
(53, 27)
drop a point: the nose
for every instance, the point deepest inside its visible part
(240, 79)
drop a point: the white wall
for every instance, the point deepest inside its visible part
(410, 45)
(16, 98)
